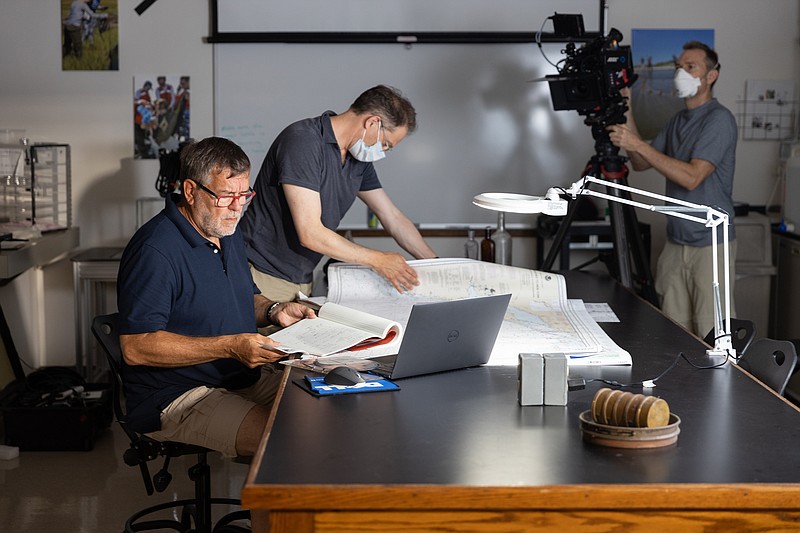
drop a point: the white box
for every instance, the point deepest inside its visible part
(555, 378)
(530, 379)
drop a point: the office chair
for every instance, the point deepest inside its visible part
(742, 334)
(771, 361)
(195, 512)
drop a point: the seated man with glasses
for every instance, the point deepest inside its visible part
(311, 175)
(195, 368)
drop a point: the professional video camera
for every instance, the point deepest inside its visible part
(589, 81)
(590, 78)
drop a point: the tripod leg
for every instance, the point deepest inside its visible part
(629, 246)
(621, 246)
(639, 256)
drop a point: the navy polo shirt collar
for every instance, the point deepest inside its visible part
(187, 231)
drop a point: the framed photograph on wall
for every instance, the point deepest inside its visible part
(89, 35)
(161, 113)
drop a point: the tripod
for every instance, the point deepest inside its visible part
(628, 245)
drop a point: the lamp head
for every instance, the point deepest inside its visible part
(550, 204)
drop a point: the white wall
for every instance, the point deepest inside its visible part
(92, 110)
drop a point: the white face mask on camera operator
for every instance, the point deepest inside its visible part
(685, 84)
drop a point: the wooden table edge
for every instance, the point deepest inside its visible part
(556, 497)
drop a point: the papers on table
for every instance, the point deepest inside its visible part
(540, 318)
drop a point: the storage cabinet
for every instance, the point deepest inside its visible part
(35, 186)
(754, 269)
(786, 294)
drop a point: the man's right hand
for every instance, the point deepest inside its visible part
(396, 270)
(252, 350)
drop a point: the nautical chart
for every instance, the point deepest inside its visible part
(539, 317)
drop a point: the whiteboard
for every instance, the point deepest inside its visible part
(396, 16)
(483, 126)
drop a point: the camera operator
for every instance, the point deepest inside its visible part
(696, 153)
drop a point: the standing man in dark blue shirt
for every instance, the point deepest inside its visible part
(312, 174)
(195, 368)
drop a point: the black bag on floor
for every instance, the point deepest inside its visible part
(54, 409)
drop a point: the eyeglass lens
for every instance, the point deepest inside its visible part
(241, 199)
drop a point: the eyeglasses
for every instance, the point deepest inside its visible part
(386, 146)
(228, 199)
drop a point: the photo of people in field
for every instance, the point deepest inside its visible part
(89, 35)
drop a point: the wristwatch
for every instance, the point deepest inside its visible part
(270, 310)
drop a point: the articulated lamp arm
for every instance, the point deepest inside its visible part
(552, 204)
(702, 214)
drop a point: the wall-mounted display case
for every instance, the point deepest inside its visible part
(35, 186)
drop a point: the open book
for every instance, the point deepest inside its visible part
(336, 328)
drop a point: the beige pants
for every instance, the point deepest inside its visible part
(684, 285)
(276, 289)
(211, 417)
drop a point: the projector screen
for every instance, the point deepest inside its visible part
(484, 125)
(397, 17)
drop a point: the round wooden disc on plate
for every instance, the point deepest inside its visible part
(629, 437)
(609, 407)
(619, 418)
(628, 408)
(644, 410)
(655, 414)
(599, 403)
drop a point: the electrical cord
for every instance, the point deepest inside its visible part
(580, 383)
(729, 356)
(539, 42)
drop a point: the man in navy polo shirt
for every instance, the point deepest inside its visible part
(195, 369)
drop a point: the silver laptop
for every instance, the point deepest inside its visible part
(443, 336)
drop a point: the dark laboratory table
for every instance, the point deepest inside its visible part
(456, 451)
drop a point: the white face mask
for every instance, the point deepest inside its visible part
(685, 84)
(368, 154)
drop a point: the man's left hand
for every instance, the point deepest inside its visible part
(396, 270)
(287, 313)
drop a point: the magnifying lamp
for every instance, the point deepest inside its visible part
(553, 204)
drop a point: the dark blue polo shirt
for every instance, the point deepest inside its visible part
(305, 154)
(173, 279)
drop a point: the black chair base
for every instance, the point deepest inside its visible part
(195, 513)
(188, 521)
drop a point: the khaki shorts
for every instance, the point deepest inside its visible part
(683, 284)
(211, 417)
(276, 289)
